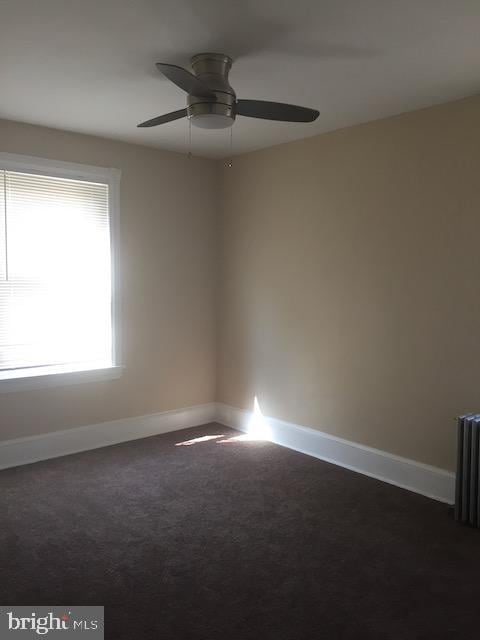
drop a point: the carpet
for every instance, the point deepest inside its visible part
(225, 538)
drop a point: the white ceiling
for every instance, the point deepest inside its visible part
(88, 66)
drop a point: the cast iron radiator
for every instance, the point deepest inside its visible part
(467, 489)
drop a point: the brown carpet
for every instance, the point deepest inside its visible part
(227, 539)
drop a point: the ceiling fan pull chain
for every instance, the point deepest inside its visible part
(230, 161)
(189, 154)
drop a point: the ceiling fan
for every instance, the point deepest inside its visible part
(211, 101)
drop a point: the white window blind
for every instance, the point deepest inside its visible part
(55, 274)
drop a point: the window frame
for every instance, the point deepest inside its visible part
(88, 173)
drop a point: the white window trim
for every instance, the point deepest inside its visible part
(104, 175)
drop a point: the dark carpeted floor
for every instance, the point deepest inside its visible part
(228, 539)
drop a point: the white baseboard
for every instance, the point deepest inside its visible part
(415, 476)
(432, 482)
(93, 436)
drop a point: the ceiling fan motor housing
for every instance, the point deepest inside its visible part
(213, 70)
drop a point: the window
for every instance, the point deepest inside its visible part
(56, 271)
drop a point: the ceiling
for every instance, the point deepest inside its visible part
(89, 66)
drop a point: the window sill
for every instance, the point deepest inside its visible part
(56, 378)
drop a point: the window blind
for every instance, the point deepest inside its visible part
(55, 273)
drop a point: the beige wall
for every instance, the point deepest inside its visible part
(348, 266)
(168, 223)
(350, 270)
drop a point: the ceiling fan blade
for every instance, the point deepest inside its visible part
(186, 80)
(275, 111)
(167, 117)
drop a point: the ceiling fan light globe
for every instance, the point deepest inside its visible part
(210, 115)
(212, 121)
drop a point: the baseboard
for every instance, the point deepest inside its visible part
(421, 478)
(429, 481)
(93, 436)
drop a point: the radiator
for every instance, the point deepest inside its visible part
(467, 489)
